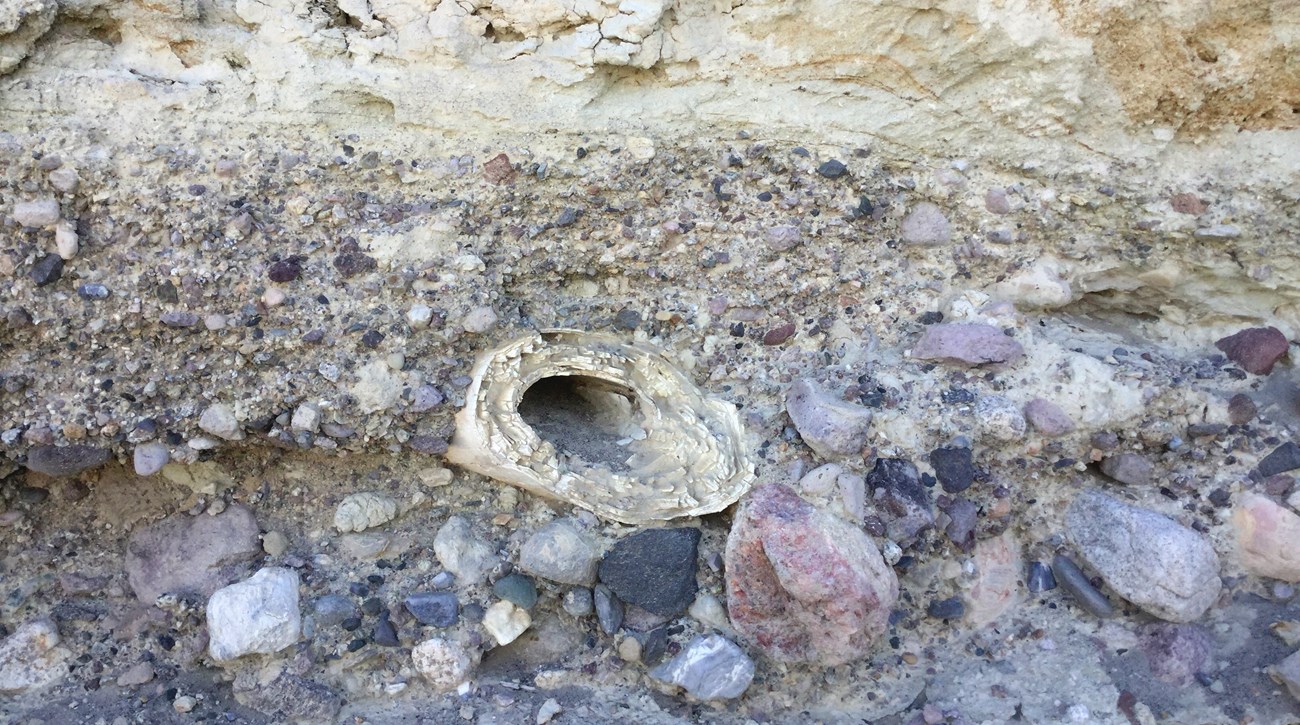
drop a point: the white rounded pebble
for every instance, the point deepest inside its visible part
(273, 297)
(220, 421)
(184, 704)
(419, 315)
(150, 458)
(505, 622)
(306, 417)
(64, 179)
(66, 241)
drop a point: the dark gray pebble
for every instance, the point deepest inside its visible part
(609, 610)
(1285, 457)
(47, 270)
(385, 632)
(93, 292)
(1073, 580)
(832, 169)
(332, 609)
(950, 608)
(954, 468)
(516, 589)
(64, 461)
(437, 609)
(1040, 577)
(654, 569)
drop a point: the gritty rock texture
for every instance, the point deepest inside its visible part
(966, 344)
(1287, 673)
(654, 569)
(257, 615)
(288, 697)
(1128, 468)
(1285, 457)
(830, 426)
(905, 502)
(443, 664)
(191, 554)
(31, 658)
(803, 585)
(1268, 537)
(709, 668)
(559, 551)
(464, 555)
(361, 511)
(1149, 559)
(925, 224)
(63, 461)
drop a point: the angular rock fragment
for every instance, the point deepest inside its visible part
(709, 668)
(802, 585)
(954, 468)
(654, 569)
(462, 553)
(1287, 674)
(895, 485)
(435, 609)
(1256, 349)
(257, 615)
(1285, 457)
(361, 511)
(505, 622)
(560, 552)
(219, 420)
(288, 697)
(64, 461)
(1148, 558)
(191, 554)
(925, 225)
(966, 343)
(830, 426)
(609, 610)
(645, 443)
(1268, 538)
(1128, 468)
(31, 658)
(999, 418)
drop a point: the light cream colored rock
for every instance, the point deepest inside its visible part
(257, 615)
(505, 622)
(361, 511)
(1268, 537)
(31, 658)
(687, 456)
(442, 663)
(999, 569)
(66, 241)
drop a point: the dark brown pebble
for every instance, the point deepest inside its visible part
(778, 335)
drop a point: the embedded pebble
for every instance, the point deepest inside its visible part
(578, 602)
(966, 343)
(830, 426)
(443, 664)
(1285, 457)
(331, 609)
(66, 241)
(47, 270)
(191, 554)
(361, 511)
(654, 569)
(707, 610)
(306, 417)
(998, 574)
(951, 608)
(505, 622)
(65, 461)
(1073, 580)
(1151, 560)
(803, 585)
(609, 610)
(1287, 674)
(1256, 349)
(1128, 468)
(219, 420)
(1175, 652)
(709, 668)
(925, 225)
(138, 674)
(547, 711)
(516, 589)
(149, 458)
(1267, 537)
(560, 552)
(436, 609)
(479, 320)
(462, 553)
(43, 212)
(1040, 578)
(999, 418)
(954, 468)
(821, 480)
(895, 485)
(1047, 418)
(31, 658)
(257, 615)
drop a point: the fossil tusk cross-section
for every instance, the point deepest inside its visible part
(611, 426)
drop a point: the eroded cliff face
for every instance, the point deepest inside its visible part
(250, 252)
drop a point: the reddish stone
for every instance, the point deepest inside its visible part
(1255, 349)
(803, 585)
(778, 335)
(1188, 203)
(499, 170)
(966, 343)
(1241, 409)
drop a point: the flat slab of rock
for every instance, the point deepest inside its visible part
(654, 569)
(31, 658)
(966, 343)
(709, 668)
(1256, 349)
(560, 552)
(1128, 468)
(803, 585)
(1268, 538)
(831, 427)
(1167, 569)
(195, 554)
(258, 615)
(64, 461)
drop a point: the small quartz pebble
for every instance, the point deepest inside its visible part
(709, 668)
(1128, 468)
(220, 421)
(442, 663)
(1073, 580)
(31, 658)
(505, 622)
